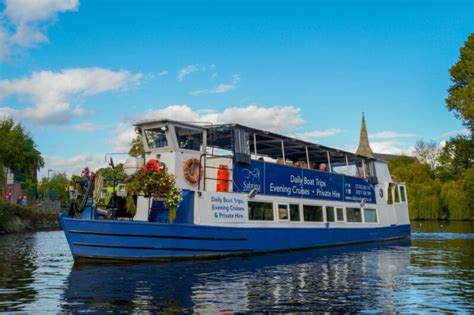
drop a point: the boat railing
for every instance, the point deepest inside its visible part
(203, 159)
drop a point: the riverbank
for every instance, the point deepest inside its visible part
(16, 219)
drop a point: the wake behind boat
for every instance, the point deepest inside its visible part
(241, 191)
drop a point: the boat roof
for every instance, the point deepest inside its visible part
(268, 143)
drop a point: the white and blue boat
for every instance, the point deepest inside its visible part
(253, 192)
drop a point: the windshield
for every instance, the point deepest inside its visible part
(189, 139)
(156, 138)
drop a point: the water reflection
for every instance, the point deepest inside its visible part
(433, 273)
(344, 278)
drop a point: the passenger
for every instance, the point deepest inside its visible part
(312, 165)
(261, 159)
(280, 161)
(322, 167)
(304, 165)
(296, 163)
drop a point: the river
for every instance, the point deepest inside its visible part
(434, 271)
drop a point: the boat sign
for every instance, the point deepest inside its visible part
(228, 208)
(287, 181)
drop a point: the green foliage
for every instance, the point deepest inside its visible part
(17, 149)
(15, 218)
(461, 93)
(456, 156)
(56, 187)
(455, 200)
(137, 149)
(109, 172)
(151, 181)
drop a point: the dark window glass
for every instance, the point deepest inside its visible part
(294, 212)
(189, 139)
(330, 214)
(262, 211)
(340, 214)
(313, 213)
(353, 215)
(390, 194)
(403, 194)
(397, 195)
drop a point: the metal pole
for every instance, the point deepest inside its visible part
(329, 161)
(283, 151)
(363, 169)
(255, 144)
(347, 163)
(307, 156)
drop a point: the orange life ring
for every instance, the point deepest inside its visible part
(192, 171)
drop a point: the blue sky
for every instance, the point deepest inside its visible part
(77, 74)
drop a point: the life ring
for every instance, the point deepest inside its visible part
(192, 170)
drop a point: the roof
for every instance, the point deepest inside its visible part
(270, 144)
(390, 157)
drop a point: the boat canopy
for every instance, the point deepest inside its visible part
(265, 143)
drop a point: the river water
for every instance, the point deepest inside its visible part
(432, 272)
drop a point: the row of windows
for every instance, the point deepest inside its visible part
(396, 194)
(263, 211)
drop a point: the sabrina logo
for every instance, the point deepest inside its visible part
(252, 179)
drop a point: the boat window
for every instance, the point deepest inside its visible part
(353, 215)
(397, 194)
(156, 138)
(283, 212)
(295, 212)
(313, 213)
(403, 194)
(340, 214)
(370, 215)
(390, 194)
(189, 139)
(330, 214)
(262, 211)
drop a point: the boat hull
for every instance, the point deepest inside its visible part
(132, 240)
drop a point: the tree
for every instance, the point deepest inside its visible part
(455, 157)
(56, 187)
(109, 172)
(17, 149)
(427, 152)
(137, 149)
(461, 93)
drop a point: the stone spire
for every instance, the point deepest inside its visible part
(364, 147)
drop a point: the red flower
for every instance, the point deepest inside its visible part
(152, 165)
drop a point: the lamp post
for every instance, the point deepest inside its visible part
(50, 170)
(47, 187)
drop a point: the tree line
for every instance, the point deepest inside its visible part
(440, 181)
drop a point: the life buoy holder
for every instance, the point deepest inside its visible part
(192, 171)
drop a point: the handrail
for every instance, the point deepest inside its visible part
(213, 167)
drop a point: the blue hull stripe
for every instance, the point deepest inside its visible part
(158, 236)
(164, 248)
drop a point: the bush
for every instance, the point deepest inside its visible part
(15, 218)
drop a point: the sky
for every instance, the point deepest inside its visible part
(78, 74)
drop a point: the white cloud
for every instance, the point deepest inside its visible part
(28, 21)
(221, 88)
(282, 119)
(390, 135)
(392, 147)
(317, 134)
(163, 73)
(186, 71)
(86, 127)
(51, 93)
(463, 132)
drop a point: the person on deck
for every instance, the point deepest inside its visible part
(322, 167)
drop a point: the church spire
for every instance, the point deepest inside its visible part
(364, 147)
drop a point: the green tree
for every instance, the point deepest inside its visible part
(455, 158)
(18, 150)
(137, 149)
(56, 187)
(460, 98)
(109, 172)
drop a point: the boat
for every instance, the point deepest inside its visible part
(242, 191)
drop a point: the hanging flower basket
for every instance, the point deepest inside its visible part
(152, 181)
